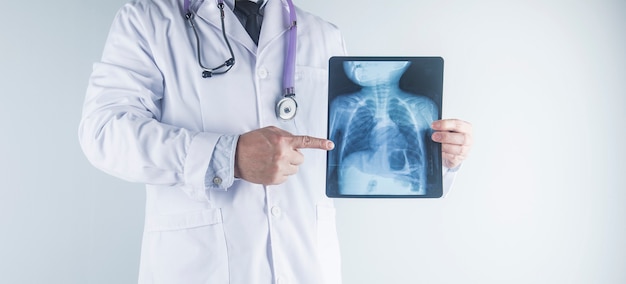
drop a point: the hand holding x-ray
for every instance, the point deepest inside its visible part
(456, 140)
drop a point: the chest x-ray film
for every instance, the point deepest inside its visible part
(380, 112)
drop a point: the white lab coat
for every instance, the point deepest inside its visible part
(150, 117)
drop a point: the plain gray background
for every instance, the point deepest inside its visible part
(541, 200)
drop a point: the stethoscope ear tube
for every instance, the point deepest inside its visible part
(228, 64)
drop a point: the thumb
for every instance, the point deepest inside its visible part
(308, 142)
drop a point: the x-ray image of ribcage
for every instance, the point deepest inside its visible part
(380, 112)
(382, 143)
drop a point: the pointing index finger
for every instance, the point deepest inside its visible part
(308, 142)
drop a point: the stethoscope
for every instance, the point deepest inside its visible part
(287, 107)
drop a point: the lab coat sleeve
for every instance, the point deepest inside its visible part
(448, 177)
(120, 131)
(221, 172)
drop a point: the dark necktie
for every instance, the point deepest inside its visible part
(251, 11)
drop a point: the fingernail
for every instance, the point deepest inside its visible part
(434, 124)
(330, 145)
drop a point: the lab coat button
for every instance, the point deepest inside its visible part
(263, 73)
(276, 211)
(217, 180)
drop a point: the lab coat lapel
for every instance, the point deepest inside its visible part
(275, 22)
(209, 12)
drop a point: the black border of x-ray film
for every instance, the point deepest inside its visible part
(424, 77)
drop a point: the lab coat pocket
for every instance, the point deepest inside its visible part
(187, 247)
(328, 244)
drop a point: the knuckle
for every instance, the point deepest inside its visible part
(462, 139)
(461, 150)
(457, 124)
(280, 139)
(465, 150)
(276, 159)
(306, 141)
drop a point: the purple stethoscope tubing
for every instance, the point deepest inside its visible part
(289, 73)
(290, 61)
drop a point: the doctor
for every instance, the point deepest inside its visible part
(235, 193)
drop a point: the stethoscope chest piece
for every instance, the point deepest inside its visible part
(286, 108)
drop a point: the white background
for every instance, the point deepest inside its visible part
(541, 199)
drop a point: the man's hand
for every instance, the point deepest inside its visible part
(269, 155)
(456, 140)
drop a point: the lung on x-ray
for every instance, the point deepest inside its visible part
(380, 112)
